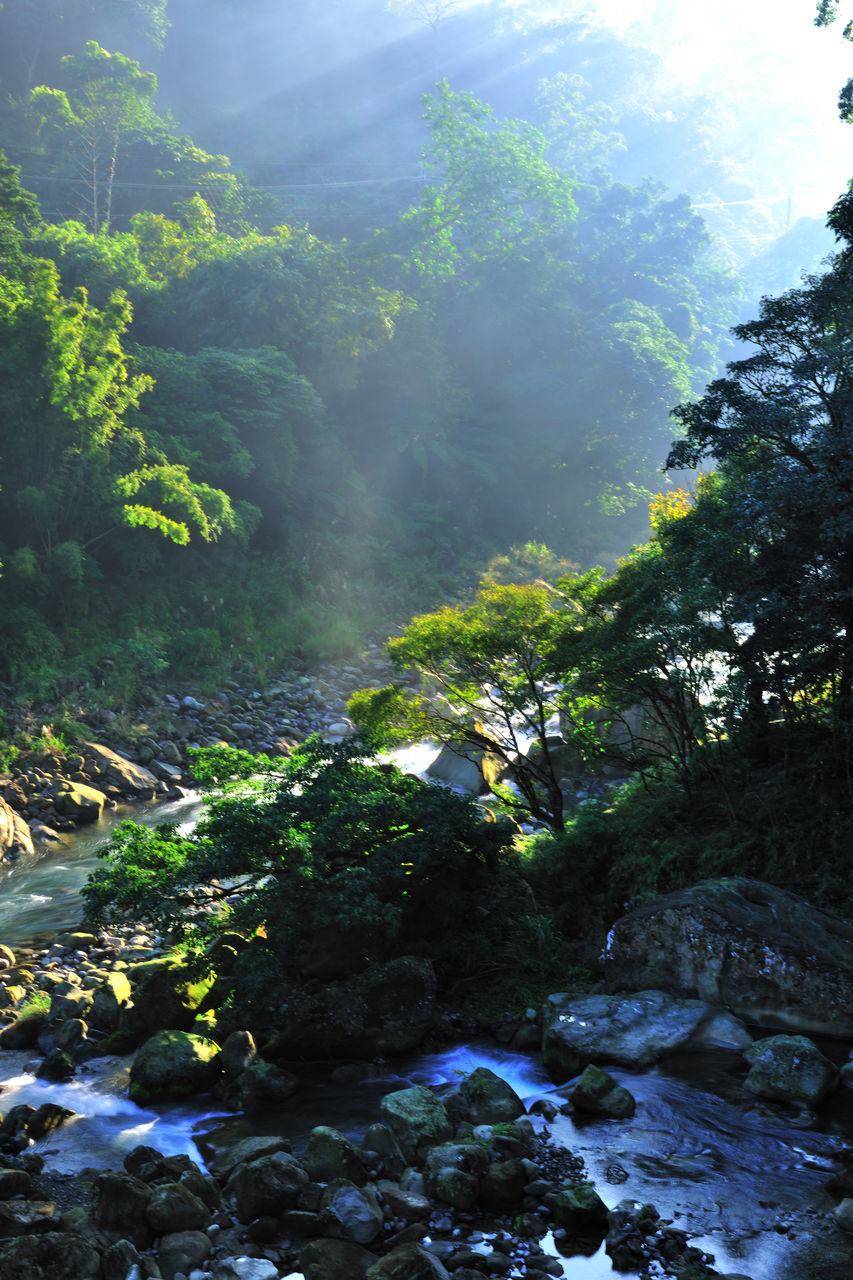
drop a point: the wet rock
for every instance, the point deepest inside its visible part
(453, 1172)
(632, 1031)
(600, 1095)
(173, 1207)
(263, 1083)
(119, 1206)
(335, 1260)
(489, 1099)
(331, 1155)
(269, 1184)
(173, 1065)
(416, 1117)
(246, 1150)
(14, 1182)
(581, 1212)
(52, 1256)
(408, 1262)
(238, 1053)
(243, 1268)
(629, 1226)
(407, 1205)
(351, 1213)
(766, 954)
(790, 1069)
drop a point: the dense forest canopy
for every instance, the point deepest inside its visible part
(301, 325)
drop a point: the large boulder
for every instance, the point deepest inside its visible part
(333, 1259)
(168, 995)
(408, 1262)
(417, 1117)
(113, 769)
(352, 1213)
(77, 801)
(459, 769)
(268, 1185)
(52, 1256)
(767, 955)
(790, 1069)
(119, 1206)
(172, 1065)
(387, 1009)
(631, 1031)
(489, 1099)
(15, 836)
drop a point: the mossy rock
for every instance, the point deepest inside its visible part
(173, 1065)
(170, 997)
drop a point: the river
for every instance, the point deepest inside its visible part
(743, 1178)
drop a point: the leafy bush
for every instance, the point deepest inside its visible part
(323, 844)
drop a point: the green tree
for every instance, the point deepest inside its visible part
(108, 99)
(780, 426)
(324, 840)
(494, 190)
(18, 210)
(492, 682)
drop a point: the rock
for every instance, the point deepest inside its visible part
(21, 1217)
(600, 1095)
(269, 1184)
(407, 1205)
(843, 1214)
(244, 1269)
(453, 1172)
(331, 1155)
(581, 1212)
(335, 1260)
(77, 801)
(173, 1207)
(790, 1069)
(46, 1119)
(14, 1182)
(16, 839)
(238, 1053)
(386, 1009)
(24, 1032)
(489, 1099)
(767, 955)
(119, 1259)
(408, 1262)
(182, 1251)
(52, 1256)
(169, 995)
(110, 997)
(246, 1150)
(129, 778)
(119, 1205)
(629, 1225)
(502, 1185)
(416, 1117)
(172, 1065)
(632, 1031)
(351, 1213)
(460, 771)
(262, 1084)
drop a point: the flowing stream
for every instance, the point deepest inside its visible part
(739, 1176)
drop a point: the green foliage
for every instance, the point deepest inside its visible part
(323, 839)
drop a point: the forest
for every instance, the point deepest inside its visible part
(285, 361)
